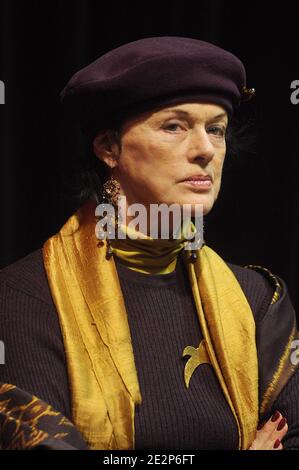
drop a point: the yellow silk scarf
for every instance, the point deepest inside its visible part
(102, 372)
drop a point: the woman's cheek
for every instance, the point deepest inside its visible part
(218, 170)
(217, 186)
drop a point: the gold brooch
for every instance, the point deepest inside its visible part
(247, 93)
(198, 356)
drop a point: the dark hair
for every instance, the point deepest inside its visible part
(240, 139)
(94, 173)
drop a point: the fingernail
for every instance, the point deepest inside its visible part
(276, 443)
(281, 424)
(275, 416)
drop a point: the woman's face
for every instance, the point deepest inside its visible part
(161, 149)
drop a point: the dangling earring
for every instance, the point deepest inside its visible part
(110, 193)
(193, 254)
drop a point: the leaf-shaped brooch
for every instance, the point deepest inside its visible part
(197, 357)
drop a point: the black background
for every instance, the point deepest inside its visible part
(255, 219)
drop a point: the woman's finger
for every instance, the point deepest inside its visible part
(270, 434)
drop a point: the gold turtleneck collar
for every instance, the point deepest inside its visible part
(145, 254)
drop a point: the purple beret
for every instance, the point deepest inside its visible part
(149, 73)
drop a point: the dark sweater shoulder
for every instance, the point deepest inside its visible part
(29, 327)
(257, 288)
(28, 275)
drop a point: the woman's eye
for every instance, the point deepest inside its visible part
(217, 130)
(172, 126)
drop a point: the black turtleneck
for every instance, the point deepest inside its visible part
(163, 320)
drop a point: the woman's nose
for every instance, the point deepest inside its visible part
(201, 145)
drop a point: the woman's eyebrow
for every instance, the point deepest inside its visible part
(179, 112)
(186, 114)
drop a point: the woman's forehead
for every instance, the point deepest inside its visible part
(194, 112)
(193, 109)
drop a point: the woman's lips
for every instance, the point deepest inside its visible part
(199, 184)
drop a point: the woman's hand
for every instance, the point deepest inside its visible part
(269, 434)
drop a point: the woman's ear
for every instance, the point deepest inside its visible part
(106, 149)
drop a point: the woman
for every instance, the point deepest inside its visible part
(142, 342)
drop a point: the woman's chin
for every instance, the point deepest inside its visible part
(201, 203)
(198, 202)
